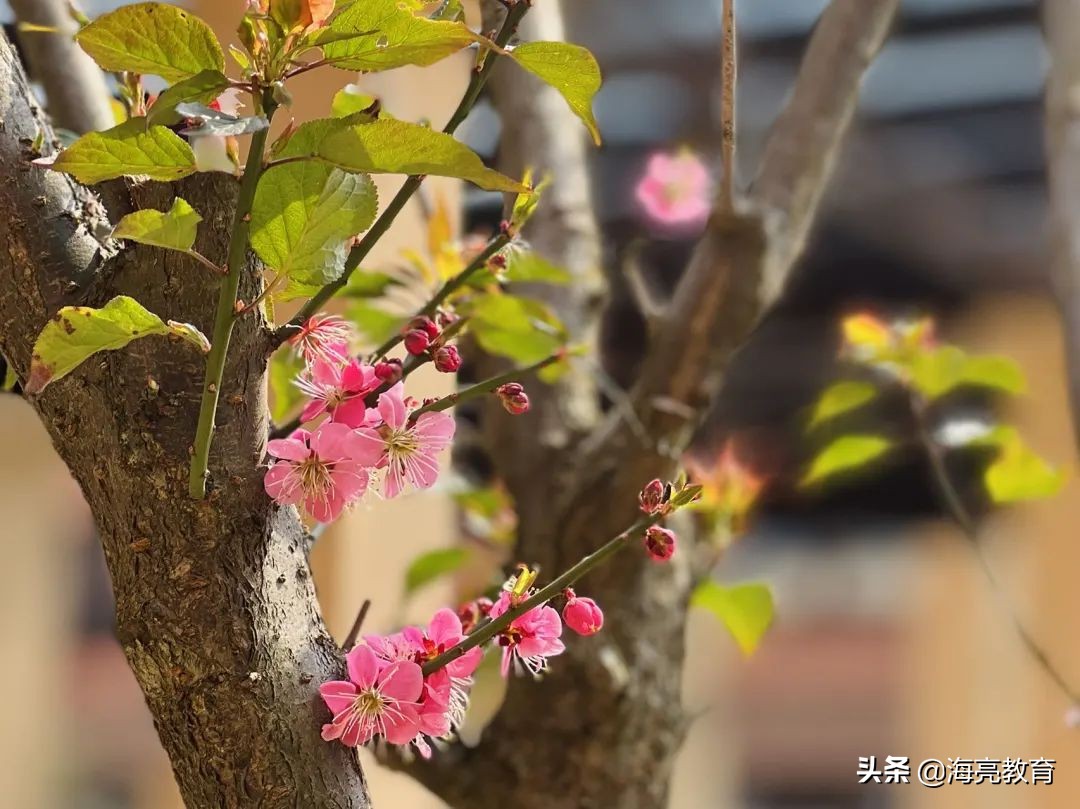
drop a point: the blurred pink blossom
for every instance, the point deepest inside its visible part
(676, 189)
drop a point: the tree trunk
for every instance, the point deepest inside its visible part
(215, 606)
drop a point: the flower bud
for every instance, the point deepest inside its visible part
(659, 543)
(472, 612)
(424, 324)
(513, 397)
(447, 359)
(417, 342)
(388, 370)
(582, 615)
(653, 497)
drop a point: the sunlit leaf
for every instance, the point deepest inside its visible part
(430, 566)
(570, 69)
(1019, 473)
(841, 398)
(383, 34)
(154, 38)
(746, 610)
(77, 332)
(174, 229)
(130, 149)
(304, 216)
(846, 454)
(389, 146)
(941, 370)
(350, 101)
(520, 329)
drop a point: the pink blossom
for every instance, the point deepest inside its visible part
(339, 388)
(583, 615)
(659, 543)
(407, 450)
(653, 497)
(675, 189)
(374, 701)
(531, 638)
(325, 337)
(513, 397)
(318, 469)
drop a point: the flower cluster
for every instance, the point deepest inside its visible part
(367, 429)
(388, 695)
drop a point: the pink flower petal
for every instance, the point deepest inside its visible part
(281, 485)
(402, 723)
(338, 695)
(392, 406)
(362, 665)
(289, 449)
(402, 681)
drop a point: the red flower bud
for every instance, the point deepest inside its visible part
(447, 359)
(653, 497)
(417, 342)
(659, 543)
(424, 324)
(388, 370)
(582, 615)
(513, 397)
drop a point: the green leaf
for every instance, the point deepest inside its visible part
(285, 366)
(361, 284)
(745, 609)
(390, 146)
(374, 324)
(304, 216)
(1019, 473)
(429, 566)
(841, 398)
(202, 88)
(77, 332)
(570, 69)
(152, 38)
(305, 139)
(520, 329)
(845, 454)
(350, 101)
(942, 370)
(525, 204)
(174, 229)
(130, 149)
(382, 34)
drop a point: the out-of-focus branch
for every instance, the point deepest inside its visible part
(78, 98)
(1062, 31)
(743, 260)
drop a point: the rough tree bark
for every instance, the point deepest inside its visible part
(215, 606)
(614, 704)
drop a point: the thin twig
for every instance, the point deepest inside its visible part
(261, 296)
(354, 633)
(217, 269)
(729, 72)
(954, 504)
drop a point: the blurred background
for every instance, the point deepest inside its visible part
(888, 639)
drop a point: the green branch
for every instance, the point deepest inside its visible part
(482, 634)
(224, 318)
(386, 219)
(482, 388)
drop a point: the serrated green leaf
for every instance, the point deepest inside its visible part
(389, 146)
(174, 229)
(78, 332)
(202, 88)
(304, 216)
(304, 141)
(383, 34)
(285, 366)
(841, 398)
(429, 566)
(1019, 473)
(130, 149)
(520, 329)
(746, 610)
(570, 69)
(844, 455)
(154, 38)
